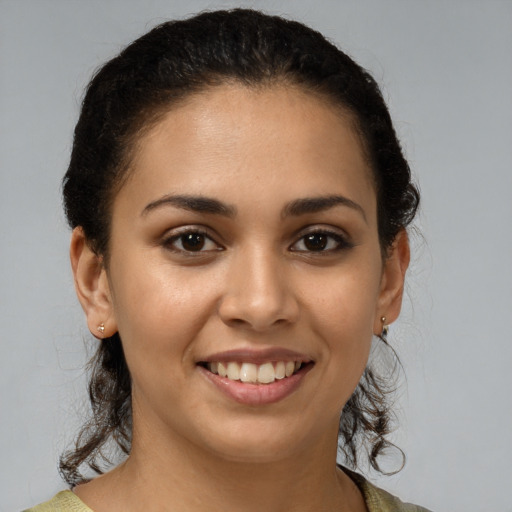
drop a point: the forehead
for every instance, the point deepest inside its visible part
(251, 138)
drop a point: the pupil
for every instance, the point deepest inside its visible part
(193, 241)
(316, 242)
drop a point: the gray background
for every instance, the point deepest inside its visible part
(446, 70)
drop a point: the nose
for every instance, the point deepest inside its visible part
(259, 295)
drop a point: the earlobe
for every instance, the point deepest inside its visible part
(92, 286)
(392, 282)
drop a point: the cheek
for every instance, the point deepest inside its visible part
(159, 315)
(159, 310)
(346, 301)
(345, 309)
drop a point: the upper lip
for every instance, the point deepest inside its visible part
(257, 356)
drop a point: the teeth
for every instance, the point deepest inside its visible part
(258, 374)
(280, 370)
(222, 370)
(248, 372)
(266, 373)
(233, 371)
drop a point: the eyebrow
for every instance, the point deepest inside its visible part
(202, 204)
(199, 204)
(320, 204)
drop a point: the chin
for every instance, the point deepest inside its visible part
(259, 442)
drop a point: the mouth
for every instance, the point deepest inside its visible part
(253, 373)
(256, 377)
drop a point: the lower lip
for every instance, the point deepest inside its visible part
(257, 394)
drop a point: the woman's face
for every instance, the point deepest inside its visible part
(245, 242)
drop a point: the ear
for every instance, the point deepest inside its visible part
(92, 286)
(392, 281)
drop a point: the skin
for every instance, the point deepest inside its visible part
(254, 285)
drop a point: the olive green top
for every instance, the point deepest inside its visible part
(377, 500)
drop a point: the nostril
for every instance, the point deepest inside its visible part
(237, 322)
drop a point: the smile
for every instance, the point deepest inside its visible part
(256, 377)
(265, 373)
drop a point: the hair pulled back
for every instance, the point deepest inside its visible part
(129, 94)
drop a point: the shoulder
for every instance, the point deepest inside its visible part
(65, 501)
(379, 500)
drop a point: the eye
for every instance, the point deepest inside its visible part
(320, 241)
(191, 241)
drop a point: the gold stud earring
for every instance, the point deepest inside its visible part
(101, 328)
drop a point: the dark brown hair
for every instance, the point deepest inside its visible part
(130, 92)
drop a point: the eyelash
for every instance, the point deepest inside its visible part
(340, 242)
(179, 237)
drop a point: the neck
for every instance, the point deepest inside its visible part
(199, 483)
(179, 476)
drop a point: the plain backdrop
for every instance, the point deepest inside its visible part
(446, 71)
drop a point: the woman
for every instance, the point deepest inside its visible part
(239, 204)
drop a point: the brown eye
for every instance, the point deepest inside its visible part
(321, 242)
(316, 241)
(192, 241)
